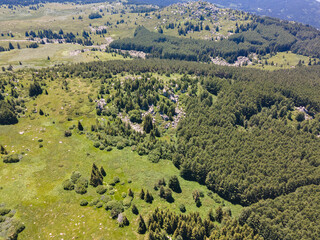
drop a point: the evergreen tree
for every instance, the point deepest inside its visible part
(174, 184)
(147, 124)
(141, 194)
(135, 209)
(103, 172)
(148, 197)
(142, 226)
(130, 193)
(80, 127)
(96, 176)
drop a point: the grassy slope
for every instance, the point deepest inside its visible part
(33, 186)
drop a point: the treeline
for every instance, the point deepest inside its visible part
(191, 226)
(262, 36)
(68, 37)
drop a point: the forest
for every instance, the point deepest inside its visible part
(242, 136)
(262, 36)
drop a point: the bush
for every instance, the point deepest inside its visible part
(68, 185)
(4, 211)
(35, 89)
(14, 158)
(135, 116)
(80, 189)
(75, 176)
(94, 15)
(182, 208)
(135, 209)
(105, 198)
(109, 148)
(116, 180)
(99, 205)
(94, 202)
(101, 189)
(96, 144)
(115, 207)
(127, 202)
(121, 145)
(124, 195)
(83, 203)
(67, 133)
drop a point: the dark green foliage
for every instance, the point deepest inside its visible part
(7, 114)
(81, 186)
(68, 185)
(4, 211)
(3, 150)
(96, 176)
(67, 133)
(182, 208)
(142, 194)
(148, 198)
(300, 117)
(83, 203)
(103, 172)
(35, 89)
(142, 226)
(75, 176)
(135, 209)
(299, 213)
(14, 158)
(130, 193)
(101, 189)
(192, 226)
(41, 112)
(174, 184)
(219, 214)
(147, 123)
(115, 208)
(135, 116)
(80, 127)
(94, 15)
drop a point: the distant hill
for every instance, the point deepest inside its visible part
(304, 11)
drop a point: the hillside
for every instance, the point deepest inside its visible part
(129, 121)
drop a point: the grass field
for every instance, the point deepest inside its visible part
(34, 185)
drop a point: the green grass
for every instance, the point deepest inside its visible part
(34, 186)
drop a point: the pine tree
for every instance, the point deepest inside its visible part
(141, 195)
(103, 172)
(161, 192)
(135, 209)
(142, 226)
(174, 184)
(3, 150)
(96, 176)
(80, 127)
(149, 197)
(130, 193)
(219, 214)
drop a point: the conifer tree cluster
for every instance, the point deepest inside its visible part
(96, 178)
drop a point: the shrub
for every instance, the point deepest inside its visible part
(116, 179)
(105, 198)
(127, 202)
(111, 192)
(135, 116)
(124, 195)
(68, 185)
(67, 133)
(109, 148)
(101, 189)
(120, 145)
(14, 158)
(7, 114)
(40, 145)
(94, 202)
(96, 144)
(80, 189)
(83, 203)
(4, 211)
(182, 208)
(35, 89)
(115, 207)
(75, 176)
(99, 205)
